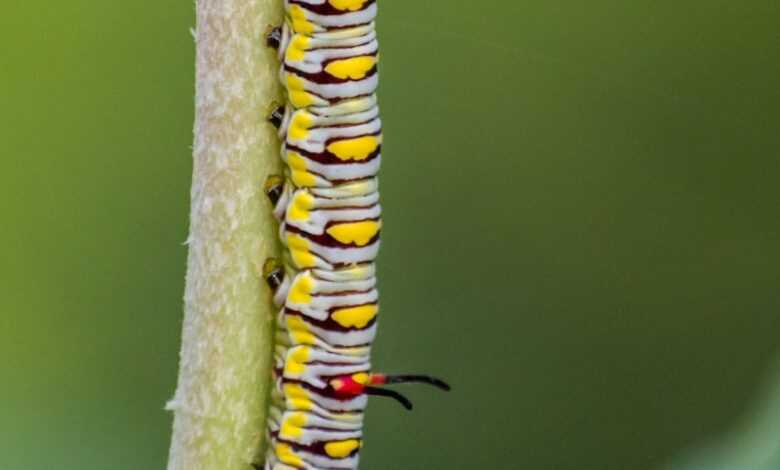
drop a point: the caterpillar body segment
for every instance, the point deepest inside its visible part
(327, 205)
(306, 170)
(310, 18)
(337, 217)
(349, 54)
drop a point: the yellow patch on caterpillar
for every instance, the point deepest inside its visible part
(300, 176)
(341, 449)
(359, 271)
(356, 105)
(361, 378)
(292, 426)
(357, 317)
(357, 188)
(300, 125)
(303, 259)
(295, 364)
(296, 50)
(296, 92)
(300, 404)
(301, 206)
(294, 82)
(358, 148)
(300, 99)
(296, 391)
(350, 5)
(296, 161)
(299, 330)
(303, 179)
(354, 68)
(300, 291)
(287, 455)
(299, 250)
(299, 22)
(359, 233)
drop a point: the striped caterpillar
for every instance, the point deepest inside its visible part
(327, 204)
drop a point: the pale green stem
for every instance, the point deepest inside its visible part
(220, 401)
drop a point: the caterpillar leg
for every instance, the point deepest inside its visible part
(274, 275)
(274, 188)
(277, 114)
(273, 37)
(277, 190)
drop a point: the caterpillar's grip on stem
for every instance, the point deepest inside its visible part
(327, 202)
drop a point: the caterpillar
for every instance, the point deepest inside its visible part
(327, 205)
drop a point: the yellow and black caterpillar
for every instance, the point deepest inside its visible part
(327, 203)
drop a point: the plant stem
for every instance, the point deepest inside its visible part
(224, 378)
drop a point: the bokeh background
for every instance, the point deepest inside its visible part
(581, 230)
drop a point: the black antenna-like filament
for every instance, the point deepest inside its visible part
(426, 379)
(389, 393)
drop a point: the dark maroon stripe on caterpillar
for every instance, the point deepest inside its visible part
(327, 9)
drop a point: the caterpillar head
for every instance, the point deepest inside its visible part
(348, 386)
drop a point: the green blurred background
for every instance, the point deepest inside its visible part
(581, 228)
